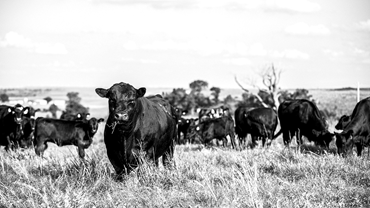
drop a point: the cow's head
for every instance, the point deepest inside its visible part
(17, 112)
(343, 121)
(28, 128)
(122, 100)
(93, 124)
(30, 112)
(344, 142)
(323, 138)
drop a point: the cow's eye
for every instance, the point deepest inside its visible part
(131, 102)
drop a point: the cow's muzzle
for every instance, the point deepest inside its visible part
(121, 116)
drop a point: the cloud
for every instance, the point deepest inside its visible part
(47, 48)
(302, 28)
(211, 47)
(290, 54)
(13, 39)
(257, 49)
(364, 25)
(333, 53)
(237, 61)
(303, 6)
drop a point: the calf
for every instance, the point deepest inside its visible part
(259, 122)
(10, 125)
(63, 132)
(28, 127)
(183, 127)
(217, 128)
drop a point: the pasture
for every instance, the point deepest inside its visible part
(200, 177)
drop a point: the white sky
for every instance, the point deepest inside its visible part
(154, 43)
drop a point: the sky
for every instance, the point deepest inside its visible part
(160, 43)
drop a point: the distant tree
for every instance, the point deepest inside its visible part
(53, 109)
(48, 99)
(73, 97)
(179, 98)
(270, 77)
(215, 93)
(229, 99)
(198, 85)
(4, 97)
(73, 106)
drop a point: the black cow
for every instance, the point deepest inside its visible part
(259, 122)
(343, 122)
(302, 117)
(28, 127)
(357, 131)
(217, 128)
(10, 125)
(137, 124)
(184, 127)
(63, 132)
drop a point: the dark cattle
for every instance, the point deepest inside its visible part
(10, 125)
(357, 131)
(28, 127)
(184, 127)
(343, 122)
(63, 132)
(239, 123)
(217, 128)
(259, 122)
(207, 113)
(137, 124)
(302, 117)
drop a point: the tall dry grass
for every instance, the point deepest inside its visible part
(200, 177)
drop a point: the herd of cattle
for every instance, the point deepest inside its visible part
(137, 124)
(20, 128)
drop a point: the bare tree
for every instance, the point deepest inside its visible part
(270, 80)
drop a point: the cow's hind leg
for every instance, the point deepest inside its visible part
(168, 156)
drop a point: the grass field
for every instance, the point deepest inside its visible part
(200, 177)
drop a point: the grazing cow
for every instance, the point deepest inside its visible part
(217, 128)
(10, 125)
(63, 132)
(302, 117)
(343, 122)
(357, 131)
(259, 122)
(137, 124)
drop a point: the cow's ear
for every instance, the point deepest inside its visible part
(140, 92)
(25, 110)
(101, 92)
(10, 109)
(101, 120)
(37, 110)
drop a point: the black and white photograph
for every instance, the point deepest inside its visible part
(184, 103)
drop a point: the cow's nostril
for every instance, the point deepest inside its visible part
(116, 116)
